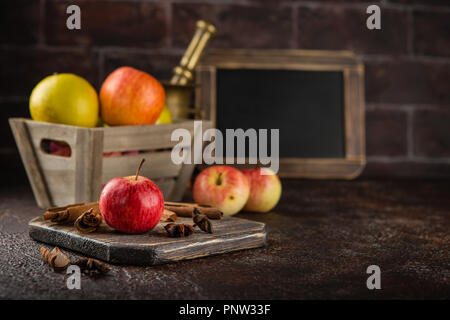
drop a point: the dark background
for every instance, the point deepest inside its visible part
(407, 61)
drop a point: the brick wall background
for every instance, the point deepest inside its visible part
(407, 62)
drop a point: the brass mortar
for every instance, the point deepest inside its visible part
(179, 89)
(178, 100)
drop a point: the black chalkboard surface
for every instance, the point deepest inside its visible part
(307, 107)
(315, 99)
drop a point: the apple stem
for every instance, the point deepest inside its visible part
(219, 179)
(258, 164)
(139, 168)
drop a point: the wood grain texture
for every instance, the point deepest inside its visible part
(354, 113)
(155, 247)
(88, 165)
(166, 185)
(157, 165)
(279, 59)
(320, 168)
(181, 182)
(346, 62)
(30, 162)
(126, 138)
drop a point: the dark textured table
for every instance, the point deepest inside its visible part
(322, 237)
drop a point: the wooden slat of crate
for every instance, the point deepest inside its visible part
(88, 165)
(42, 130)
(61, 186)
(157, 165)
(29, 158)
(59, 171)
(128, 138)
(166, 185)
(182, 180)
(155, 247)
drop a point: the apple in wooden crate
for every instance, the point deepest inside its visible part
(131, 97)
(265, 189)
(132, 204)
(112, 154)
(59, 148)
(223, 187)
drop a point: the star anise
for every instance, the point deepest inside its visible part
(179, 230)
(202, 221)
(92, 267)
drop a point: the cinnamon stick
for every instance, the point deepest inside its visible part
(168, 216)
(202, 221)
(184, 209)
(89, 221)
(57, 213)
(58, 260)
(69, 213)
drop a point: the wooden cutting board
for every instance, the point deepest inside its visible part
(155, 247)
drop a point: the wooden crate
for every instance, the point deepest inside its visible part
(58, 180)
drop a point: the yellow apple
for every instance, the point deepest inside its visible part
(223, 187)
(165, 117)
(265, 190)
(65, 98)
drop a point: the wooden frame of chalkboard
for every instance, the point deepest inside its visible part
(353, 158)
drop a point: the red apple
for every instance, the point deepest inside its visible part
(223, 187)
(265, 190)
(131, 97)
(131, 204)
(129, 153)
(112, 154)
(59, 149)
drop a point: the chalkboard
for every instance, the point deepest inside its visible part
(307, 107)
(315, 99)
